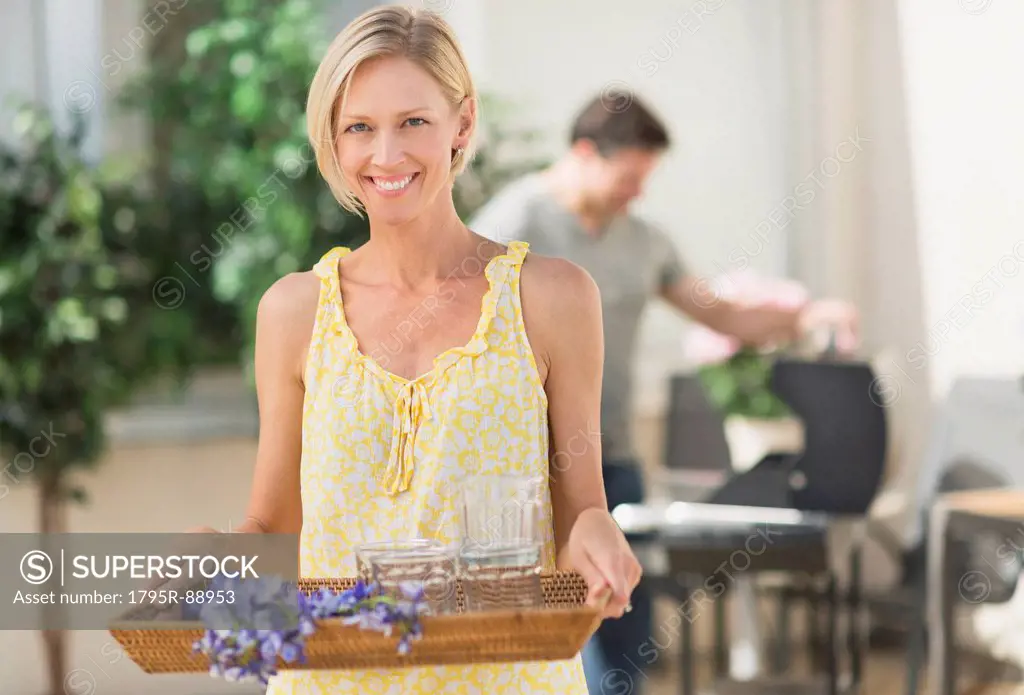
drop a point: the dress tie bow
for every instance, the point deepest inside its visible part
(411, 407)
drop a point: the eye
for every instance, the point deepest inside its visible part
(355, 128)
(419, 121)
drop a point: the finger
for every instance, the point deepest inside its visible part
(623, 562)
(635, 573)
(596, 583)
(601, 600)
(616, 606)
(611, 568)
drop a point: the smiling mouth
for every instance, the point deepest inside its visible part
(392, 184)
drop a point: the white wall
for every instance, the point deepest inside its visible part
(962, 66)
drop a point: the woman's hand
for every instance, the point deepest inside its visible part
(598, 550)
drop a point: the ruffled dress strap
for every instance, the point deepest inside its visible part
(328, 306)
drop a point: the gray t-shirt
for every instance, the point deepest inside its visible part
(630, 262)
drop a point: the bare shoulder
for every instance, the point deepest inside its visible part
(286, 314)
(291, 300)
(562, 283)
(561, 303)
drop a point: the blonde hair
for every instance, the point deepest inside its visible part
(392, 30)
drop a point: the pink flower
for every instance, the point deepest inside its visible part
(750, 289)
(704, 346)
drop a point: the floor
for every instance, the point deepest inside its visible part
(98, 668)
(884, 674)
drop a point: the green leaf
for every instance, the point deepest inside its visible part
(247, 101)
(234, 30)
(198, 42)
(243, 64)
(83, 199)
(7, 280)
(104, 277)
(241, 7)
(114, 309)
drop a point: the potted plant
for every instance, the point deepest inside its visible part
(736, 377)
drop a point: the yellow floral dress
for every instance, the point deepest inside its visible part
(383, 458)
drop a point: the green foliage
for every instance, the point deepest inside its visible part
(185, 325)
(68, 309)
(233, 114)
(741, 385)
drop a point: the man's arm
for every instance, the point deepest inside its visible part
(701, 301)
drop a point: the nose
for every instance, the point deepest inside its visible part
(387, 150)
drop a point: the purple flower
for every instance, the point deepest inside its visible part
(251, 649)
(306, 626)
(270, 648)
(292, 653)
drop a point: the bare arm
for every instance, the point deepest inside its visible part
(702, 302)
(283, 327)
(564, 309)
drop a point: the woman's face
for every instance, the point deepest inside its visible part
(395, 139)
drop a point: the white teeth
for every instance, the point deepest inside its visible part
(393, 185)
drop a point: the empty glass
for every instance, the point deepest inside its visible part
(500, 556)
(431, 565)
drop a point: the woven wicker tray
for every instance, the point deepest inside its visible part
(557, 631)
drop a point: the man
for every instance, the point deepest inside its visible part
(578, 209)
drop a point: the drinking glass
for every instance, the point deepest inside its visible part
(428, 564)
(500, 555)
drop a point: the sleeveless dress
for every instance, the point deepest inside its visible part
(383, 457)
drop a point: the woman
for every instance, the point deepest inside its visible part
(388, 374)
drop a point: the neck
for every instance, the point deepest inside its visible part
(563, 178)
(420, 251)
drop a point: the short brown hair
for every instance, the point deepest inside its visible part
(618, 120)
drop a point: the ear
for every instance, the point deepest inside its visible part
(584, 147)
(467, 121)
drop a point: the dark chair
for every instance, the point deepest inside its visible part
(840, 470)
(696, 459)
(694, 435)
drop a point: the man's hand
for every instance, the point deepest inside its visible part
(837, 316)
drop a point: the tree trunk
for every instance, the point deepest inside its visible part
(52, 519)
